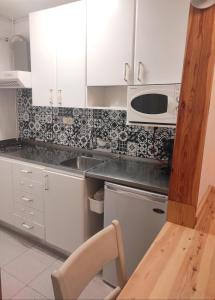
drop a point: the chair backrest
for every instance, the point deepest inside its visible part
(83, 265)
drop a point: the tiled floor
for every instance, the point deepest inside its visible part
(26, 271)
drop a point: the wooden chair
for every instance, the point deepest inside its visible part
(83, 265)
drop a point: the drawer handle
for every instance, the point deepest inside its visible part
(26, 172)
(27, 199)
(26, 226)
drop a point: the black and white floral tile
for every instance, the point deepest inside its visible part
(90, 129)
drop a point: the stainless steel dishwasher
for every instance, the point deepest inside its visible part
(141, 215)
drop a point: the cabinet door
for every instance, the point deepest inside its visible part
(161, 28)
(71, 55)
(43, 56)
(6, 188)
(110, 26)
(64, 210)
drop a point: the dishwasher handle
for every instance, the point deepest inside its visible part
(149, 196)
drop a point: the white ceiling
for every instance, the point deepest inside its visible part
(21, 8)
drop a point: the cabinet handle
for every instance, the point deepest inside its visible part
(26, 172)
(27, 199)
(46, 185)
(59, 97)
(26, 226)
(51, 101)
(126, 72)
(140, 66)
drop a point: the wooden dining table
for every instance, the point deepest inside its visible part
(180, 264)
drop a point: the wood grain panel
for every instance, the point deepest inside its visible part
(193, 110)
(181, 213)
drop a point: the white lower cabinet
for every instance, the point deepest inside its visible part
(65, 210)
(6, 191)
(29, 226)
(46, 203)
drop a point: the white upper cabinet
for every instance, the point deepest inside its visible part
(71, 55)
(43, 56)
(102, 43)
(58, 55)
(110, 28)
(160, 39)
(145, 46)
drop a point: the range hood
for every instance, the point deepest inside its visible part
(15, 79)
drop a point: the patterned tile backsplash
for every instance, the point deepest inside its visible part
(89, 129)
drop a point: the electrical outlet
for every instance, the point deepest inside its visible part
(68, 121)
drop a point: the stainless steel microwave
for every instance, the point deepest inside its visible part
(153, 104)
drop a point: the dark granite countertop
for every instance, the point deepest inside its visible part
(47, 155)
(135, 173)
(145, 174)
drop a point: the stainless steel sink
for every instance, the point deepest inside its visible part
(82, 163)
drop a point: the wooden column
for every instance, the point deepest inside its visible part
(193, 115)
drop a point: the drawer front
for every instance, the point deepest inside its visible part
(29, 172)
(30, 200)
(34, 216)
(19, 209)
(29, 227)
(28, 186)
(30, 215)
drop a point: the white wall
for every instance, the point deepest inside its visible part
(7, 97)
(8, 117)
(6, 57)
(21, 26)
(208, 166)
(5, 27)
